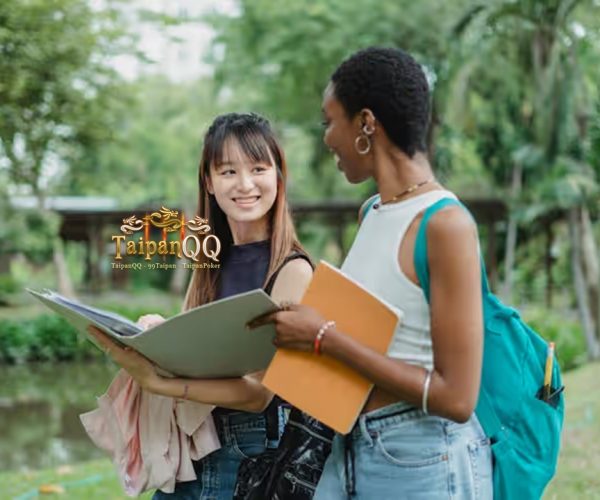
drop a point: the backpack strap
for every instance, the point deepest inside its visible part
(421, 260)
(366, 206)
(485, 411)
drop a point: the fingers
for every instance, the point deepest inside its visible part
(263, 319)
(99, 335)
(150, 320)
(107, 344)
(273, 317)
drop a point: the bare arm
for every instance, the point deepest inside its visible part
(239, 393)
(244, 393)
(456, 327)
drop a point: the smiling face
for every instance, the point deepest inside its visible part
(244, 189)
(340, 134)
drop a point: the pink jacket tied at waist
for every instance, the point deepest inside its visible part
(152, 439)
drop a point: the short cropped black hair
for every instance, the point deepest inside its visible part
(393, 86)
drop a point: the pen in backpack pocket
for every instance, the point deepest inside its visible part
(548, 371)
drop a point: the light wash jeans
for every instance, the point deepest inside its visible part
(398, 452)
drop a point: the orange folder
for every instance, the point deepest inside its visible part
(321, 386)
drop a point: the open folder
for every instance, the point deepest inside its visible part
(210, 341)
(321, 386)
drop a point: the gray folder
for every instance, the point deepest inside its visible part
(210, 341)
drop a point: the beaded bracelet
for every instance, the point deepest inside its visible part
(321, 334)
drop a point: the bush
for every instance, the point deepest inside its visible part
(8, 286)
(47, 337)
(15, 341)
(564, 331)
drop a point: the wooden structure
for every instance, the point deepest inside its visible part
(338, 213)
(93, 226)
(92, 220)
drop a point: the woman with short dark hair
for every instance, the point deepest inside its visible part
(417, 436)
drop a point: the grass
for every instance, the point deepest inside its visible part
(95, 480)
(578, 473)
(578, 470)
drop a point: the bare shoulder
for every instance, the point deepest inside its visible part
(451, 226)
(292, 281)
(296, 269)
(452, 240)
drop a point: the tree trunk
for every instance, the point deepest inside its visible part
(548, 264)
(5, 263)
(591, 267)
(96, 247)
(65, 285)
(491, 260)
(593, 345)
(179, 278)
(511, 234)
(432, 131)
(319, 153)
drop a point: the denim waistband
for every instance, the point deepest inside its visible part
(386, 416)
(239, 421)
(372, 422)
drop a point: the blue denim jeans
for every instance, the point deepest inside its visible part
(398, 452)
(242, 435)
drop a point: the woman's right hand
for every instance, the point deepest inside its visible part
(150, 320)
(139, 367)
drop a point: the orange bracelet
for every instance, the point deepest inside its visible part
(321, 334)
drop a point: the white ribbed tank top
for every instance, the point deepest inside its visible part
(373, 262)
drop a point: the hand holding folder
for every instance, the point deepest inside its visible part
(209, 341)
(321, 386)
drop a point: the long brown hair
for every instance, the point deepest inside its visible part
(257, 140)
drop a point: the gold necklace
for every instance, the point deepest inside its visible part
(409, 190)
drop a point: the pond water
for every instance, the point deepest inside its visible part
(40, 406)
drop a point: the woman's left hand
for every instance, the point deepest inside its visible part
(139, 367)
(296, 326)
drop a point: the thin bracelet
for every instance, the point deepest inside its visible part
(426, 391)
(321, 334)
(185, 391)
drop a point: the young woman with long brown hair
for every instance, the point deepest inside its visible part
(242, 178)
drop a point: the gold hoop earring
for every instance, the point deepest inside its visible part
(365, 150)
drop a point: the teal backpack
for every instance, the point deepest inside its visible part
(524, 430)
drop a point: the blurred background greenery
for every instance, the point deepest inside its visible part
(103, 104)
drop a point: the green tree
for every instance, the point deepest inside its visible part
(153, 154)
(57, 88)
(543, 101)
(57, 91)
(278, 55)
